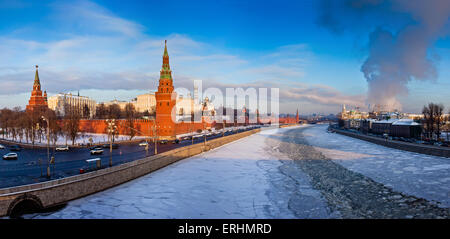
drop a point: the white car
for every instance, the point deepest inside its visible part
(10, 156)
(97, 151)
(62, 148)
(2, 147)
(143, 143)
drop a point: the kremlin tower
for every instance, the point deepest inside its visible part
(165, 101)
(37, 100)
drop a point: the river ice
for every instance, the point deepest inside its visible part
(420, 175)
(232, 181)
(250, 179)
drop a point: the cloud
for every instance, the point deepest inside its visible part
(96, 49)
(89, 17)
(397, 54)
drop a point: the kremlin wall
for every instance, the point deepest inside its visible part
(166, 128)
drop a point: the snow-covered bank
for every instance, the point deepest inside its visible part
(231, 181)
(415, 174)
(85, 138)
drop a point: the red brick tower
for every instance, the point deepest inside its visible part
(37, 100)
(165, 101)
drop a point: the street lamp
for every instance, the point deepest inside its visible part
(204, 130)
(223, 126)
(48, 145)
(155, 137)
(111, 131)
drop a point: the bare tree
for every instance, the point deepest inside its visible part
(5, 121)
(86, 112)
(446, 125)
(101, 111)
(130, 115)
(114, 111)
(428, 113)
(433, 120)
(54, 126)
(439, 119)
(72, 122)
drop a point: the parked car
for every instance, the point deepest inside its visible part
(9, 156)
(96, 150)
(15, 148)
(186, 138)
(163, 141)
(107, 146)
(62, 148)
(2, 147)
(143, 143)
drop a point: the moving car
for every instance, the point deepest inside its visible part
(2, 147)
(15, 148)
(143, 143)
(62, 148)
(10, 156)
(163, 141)
(96, 150)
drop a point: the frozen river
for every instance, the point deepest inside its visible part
(424, 176)
(237, 180)
(297, 172)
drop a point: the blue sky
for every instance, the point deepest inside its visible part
(113, 50)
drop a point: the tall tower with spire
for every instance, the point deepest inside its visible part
(37, 100)
(165, 101)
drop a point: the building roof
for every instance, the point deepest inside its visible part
(405, 122)
(389, 121)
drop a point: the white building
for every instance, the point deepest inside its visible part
(146, 102)
(59, 102)
(187, 105)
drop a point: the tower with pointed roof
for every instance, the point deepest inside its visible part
(165, 101)
(37, 100)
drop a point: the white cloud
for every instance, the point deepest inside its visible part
(111, 53)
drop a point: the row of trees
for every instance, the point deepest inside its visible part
(129, 113)
(434, 121)
(31, 127)
(114, 111)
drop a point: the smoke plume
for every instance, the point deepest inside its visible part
(396, 57)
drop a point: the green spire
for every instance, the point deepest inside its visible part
(36, 77)
(165, 49)
(166, 73)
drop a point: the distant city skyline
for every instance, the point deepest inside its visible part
(110, 50)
